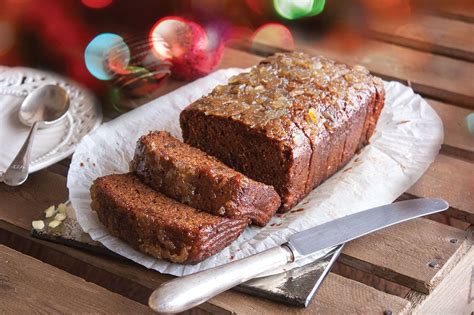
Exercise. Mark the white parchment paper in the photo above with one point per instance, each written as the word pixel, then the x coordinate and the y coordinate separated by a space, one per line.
pixel 407 139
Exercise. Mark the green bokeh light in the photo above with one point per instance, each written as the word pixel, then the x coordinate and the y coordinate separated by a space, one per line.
pixel 318 7
pixel 295 9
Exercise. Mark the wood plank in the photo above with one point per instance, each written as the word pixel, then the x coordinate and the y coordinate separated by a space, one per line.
pixel 439 35
pixel 416 254
pixel 337 294
pixel 455 295
pixel 30 286
pixel 460 9
pixel 453 180
pixel 457 139
pixel 370 279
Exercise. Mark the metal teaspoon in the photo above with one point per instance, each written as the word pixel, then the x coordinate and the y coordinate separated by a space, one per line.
pixel 44 106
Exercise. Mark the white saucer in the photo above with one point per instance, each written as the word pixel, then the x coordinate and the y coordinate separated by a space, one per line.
pixel 55 142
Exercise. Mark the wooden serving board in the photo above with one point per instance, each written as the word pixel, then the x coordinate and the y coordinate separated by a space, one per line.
pixel 423 266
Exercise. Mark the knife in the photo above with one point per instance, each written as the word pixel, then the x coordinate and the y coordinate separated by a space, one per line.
pixel 183 293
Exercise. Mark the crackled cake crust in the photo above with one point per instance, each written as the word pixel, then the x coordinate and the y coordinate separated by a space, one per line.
pixel 158 225
pixel 193 177
pixel 291 122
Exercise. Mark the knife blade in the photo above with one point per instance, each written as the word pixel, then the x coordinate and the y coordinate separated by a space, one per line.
pixel 361 223
pixel 183 293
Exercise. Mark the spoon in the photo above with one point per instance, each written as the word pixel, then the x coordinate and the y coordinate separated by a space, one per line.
pixel 44 106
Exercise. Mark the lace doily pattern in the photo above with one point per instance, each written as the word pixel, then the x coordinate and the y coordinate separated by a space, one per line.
pixel 83 117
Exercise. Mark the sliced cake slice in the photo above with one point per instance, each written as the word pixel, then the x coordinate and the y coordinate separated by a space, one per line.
pixel 158 225
pixel 193 177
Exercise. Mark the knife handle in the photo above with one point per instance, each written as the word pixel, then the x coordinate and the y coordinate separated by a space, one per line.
pixel 183 293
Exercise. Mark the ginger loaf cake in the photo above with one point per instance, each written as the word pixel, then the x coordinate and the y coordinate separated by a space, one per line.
pixel 158 225
pixel 191 176
pixel 291 122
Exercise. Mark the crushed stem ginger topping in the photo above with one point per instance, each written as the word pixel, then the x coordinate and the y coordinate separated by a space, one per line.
pixel 312 115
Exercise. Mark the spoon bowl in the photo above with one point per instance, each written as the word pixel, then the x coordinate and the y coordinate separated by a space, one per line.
pixel 46 105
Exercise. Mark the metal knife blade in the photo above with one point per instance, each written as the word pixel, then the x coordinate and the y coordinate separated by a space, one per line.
pixel 359 224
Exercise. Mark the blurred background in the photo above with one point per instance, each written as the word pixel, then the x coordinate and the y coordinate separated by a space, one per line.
pixel 127 51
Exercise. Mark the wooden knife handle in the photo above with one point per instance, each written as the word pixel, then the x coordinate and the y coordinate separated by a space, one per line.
pixel 183 293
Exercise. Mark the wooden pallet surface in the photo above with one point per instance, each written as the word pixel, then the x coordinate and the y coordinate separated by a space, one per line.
pixel 425 260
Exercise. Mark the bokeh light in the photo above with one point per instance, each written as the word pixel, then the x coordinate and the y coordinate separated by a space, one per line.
pixel 97 4
pixel 187 46
pixel 7 37
pixel 182 37
pixel 273 34
pixel 292 10
pixel 470 123
pixel 105 54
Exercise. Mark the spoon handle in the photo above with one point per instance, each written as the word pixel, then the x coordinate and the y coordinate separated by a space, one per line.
pixel 17 173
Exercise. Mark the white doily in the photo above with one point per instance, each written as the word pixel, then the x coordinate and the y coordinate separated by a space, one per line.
pixel 53 143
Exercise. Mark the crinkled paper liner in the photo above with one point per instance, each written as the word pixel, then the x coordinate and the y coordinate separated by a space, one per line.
pixel 407 139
